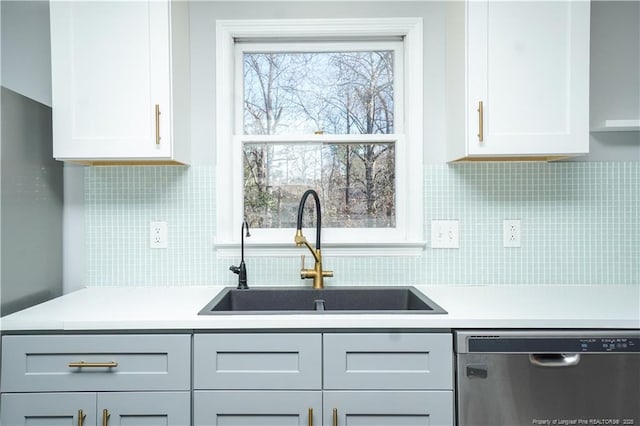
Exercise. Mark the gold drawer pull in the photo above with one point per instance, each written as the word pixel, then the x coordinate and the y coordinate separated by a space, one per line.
pixel 310 416
pixel 105 417
pixel 82 364
pixel 81 417
pixel 335 417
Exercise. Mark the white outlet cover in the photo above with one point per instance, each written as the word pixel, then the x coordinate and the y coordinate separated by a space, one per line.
pixel 445 234
pixel 158 235
pixel 511 232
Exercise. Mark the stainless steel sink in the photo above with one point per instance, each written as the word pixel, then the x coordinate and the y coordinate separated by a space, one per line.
pixel 342 300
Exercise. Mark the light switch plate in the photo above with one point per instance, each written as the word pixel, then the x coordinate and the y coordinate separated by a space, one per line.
pixel 445 234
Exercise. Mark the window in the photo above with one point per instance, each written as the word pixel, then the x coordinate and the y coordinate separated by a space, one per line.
pixel 306 89
pixel 321 104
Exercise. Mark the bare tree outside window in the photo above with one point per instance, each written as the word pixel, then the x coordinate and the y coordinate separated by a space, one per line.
pixel 335 93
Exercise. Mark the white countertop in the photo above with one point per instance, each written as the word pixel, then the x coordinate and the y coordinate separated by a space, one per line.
pixel 176 308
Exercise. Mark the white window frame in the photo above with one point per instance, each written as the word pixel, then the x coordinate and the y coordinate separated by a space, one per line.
pixel 408 235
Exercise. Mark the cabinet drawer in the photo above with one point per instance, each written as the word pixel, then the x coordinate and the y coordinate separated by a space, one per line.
pixel 257 361
pixel 388 361
pixel 95 363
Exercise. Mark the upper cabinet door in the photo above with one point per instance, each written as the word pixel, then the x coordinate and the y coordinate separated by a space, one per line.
pixel 527 79
pixel 112 80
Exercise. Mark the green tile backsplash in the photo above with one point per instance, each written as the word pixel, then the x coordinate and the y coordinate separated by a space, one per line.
pixel 580 225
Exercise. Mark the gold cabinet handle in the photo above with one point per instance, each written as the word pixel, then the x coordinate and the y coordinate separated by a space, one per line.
pixel 105 417
pixel 310 416
pixel 81 417
pixel 335 417
pixel 82 364
pixel 157 124
pixel 480 122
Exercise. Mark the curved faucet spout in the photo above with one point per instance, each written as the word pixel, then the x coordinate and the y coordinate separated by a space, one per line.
pixel 303 200
pixel 317 274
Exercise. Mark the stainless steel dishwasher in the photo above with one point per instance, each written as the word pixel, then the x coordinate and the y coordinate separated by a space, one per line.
pixel 512 378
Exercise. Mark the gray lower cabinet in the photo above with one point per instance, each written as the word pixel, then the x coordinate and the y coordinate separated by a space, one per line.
pixel 145 408
pixel 233 379
pixel 341 408
pixel 257 408
pixel 256 379
pixel 84 409
pixel 257 361
pixel 330 379
pixel 388 379
pixel 400 361
pixel 82 380
pixel 388 408
pixel 95 362
pixel 50 409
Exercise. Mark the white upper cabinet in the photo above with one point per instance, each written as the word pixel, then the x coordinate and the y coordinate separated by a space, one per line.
pixel 120 81
pixel 517 79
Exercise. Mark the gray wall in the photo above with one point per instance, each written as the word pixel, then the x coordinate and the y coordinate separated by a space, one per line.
pixel 31 199
pixel 31 205
pixel 615 54
pixel 26 51
pixel 615 77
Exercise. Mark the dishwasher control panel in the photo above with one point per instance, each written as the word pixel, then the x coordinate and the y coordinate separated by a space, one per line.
pixel 600 344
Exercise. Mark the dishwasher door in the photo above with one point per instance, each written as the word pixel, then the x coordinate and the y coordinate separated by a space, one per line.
pixel 537 378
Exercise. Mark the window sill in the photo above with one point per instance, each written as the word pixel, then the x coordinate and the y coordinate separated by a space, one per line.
pixel 401 248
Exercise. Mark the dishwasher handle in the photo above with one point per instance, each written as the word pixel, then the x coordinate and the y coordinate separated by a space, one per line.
pixel 554 360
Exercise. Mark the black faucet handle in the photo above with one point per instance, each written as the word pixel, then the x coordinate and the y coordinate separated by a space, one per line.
pixel 241 271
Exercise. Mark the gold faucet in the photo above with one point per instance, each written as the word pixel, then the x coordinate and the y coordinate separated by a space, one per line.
pixel 317 274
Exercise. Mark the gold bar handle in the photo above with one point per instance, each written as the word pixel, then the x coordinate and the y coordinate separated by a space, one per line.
pixel 335 417
pixel 310 416
pixel 82 364
pixel 480 122
pixel 81 417
pixel 105 417
pixel 157 124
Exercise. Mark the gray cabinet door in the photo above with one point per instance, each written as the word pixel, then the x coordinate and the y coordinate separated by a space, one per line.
pixel 257 361
pixel 258 408
pixel 382 361
pixel 145 408
pixel 48 409
pixel 388 408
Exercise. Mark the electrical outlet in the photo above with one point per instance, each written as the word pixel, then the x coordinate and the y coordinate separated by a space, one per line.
pixel 158 235
pixel 445 234
pixel 511 232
